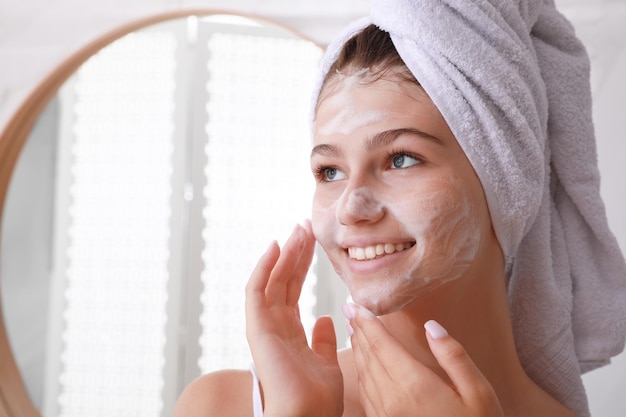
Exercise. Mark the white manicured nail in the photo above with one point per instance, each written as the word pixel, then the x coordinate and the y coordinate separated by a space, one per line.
pixel 435 330
pixel 349 328
pixel 349 311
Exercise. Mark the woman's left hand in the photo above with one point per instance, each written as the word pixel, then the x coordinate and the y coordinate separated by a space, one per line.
pixel 394 384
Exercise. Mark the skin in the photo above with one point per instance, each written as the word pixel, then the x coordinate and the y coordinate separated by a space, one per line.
pixel 396 367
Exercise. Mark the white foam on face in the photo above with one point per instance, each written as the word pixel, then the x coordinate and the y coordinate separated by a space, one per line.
pixel 348 119
pixel 323 224
pixel 439 216
pixel 362 204
pixel 359 203
pixel 347 116
pixel 445 228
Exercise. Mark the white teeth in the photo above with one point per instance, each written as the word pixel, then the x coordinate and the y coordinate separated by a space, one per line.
pixel 372 252
pixel 357 253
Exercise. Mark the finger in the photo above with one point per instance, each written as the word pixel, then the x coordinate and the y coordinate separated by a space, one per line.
pixel 255 288
pixel 324 340
pixel 373 348
pixel 370 377
pixel 379 345
pixel 452 357
pixel 301 269
pixel 366 344
pixel 369 374
pixel 366 402
pixel 276 289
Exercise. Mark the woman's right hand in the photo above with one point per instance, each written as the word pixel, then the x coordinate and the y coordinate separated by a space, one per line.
pixel 297 380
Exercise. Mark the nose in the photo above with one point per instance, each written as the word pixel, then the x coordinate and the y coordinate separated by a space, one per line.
pixel 359 205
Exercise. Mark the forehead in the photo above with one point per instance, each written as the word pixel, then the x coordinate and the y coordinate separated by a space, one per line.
pixel 351 77
pixel 354 101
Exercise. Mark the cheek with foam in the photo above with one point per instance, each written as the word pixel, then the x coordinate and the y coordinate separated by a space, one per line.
pixel 440 217
pixel 321 221
pixel 328 233
pixel 443 222
pixel 325 224
pixel 445 225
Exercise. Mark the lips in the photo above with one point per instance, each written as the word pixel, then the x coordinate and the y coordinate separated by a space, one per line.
pixel 377 251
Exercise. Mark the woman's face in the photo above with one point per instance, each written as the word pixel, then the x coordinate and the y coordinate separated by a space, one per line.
pixel 397 206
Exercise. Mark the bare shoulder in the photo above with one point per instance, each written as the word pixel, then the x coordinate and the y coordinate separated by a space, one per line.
pixel 223 393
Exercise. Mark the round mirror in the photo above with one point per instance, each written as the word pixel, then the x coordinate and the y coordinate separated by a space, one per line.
pixel 162 160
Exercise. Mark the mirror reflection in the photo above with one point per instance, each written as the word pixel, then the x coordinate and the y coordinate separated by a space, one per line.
pixel 145 193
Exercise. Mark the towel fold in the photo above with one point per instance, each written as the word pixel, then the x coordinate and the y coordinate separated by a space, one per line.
pixel 512 81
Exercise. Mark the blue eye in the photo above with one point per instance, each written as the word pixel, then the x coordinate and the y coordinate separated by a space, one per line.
pixel 402 160
pixel 333 174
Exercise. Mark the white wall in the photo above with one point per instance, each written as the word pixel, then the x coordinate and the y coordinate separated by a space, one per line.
pixel 36 35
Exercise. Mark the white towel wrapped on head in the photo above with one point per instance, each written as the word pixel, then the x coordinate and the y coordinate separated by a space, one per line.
pixel 512 80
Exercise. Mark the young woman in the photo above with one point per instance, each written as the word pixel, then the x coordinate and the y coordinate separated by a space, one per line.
pixel 408 223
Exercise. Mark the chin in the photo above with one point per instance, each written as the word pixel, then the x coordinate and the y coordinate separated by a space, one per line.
pixel 382 304
pixel 380 310
pixel 381 301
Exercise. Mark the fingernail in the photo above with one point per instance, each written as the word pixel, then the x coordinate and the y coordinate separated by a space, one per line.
pixel 270 246
pixel 435 330
pixel 365 313
pixel 349 328
pixel 349 311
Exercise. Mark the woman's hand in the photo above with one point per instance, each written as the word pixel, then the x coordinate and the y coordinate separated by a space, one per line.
pixel 297 380
pixel 394 384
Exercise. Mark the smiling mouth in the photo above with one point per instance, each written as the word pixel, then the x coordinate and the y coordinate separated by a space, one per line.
pixel 377 251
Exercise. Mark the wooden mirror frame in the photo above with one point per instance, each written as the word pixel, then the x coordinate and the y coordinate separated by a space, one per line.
pixel 14 399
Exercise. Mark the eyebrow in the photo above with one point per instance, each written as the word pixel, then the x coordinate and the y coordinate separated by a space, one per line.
pixel 327 150
pixel 387 137
pixel 379 140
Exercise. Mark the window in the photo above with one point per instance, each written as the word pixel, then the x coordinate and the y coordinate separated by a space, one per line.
pixel 164 206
